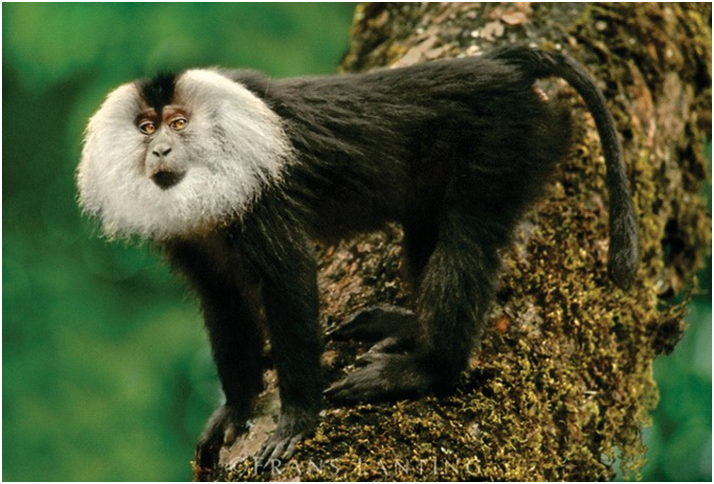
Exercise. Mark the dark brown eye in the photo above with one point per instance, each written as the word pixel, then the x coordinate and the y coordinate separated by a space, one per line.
pixel 147 127
pixel 177 124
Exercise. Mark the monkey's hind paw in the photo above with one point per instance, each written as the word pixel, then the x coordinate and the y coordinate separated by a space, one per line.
pixel 378 323
pixel 382 376
pixel 222 428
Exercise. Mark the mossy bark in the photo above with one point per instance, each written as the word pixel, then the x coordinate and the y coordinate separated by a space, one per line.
pixel 561 386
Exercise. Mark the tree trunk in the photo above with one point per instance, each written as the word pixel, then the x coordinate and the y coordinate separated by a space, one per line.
pixel 562 383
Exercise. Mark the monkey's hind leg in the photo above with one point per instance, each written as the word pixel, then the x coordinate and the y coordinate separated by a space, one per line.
pixel 394 328
pixel 454 292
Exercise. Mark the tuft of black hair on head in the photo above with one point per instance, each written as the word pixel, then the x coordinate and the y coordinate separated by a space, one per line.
pixel 158 91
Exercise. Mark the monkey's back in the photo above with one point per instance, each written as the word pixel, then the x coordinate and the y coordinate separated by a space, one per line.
pixel 390 145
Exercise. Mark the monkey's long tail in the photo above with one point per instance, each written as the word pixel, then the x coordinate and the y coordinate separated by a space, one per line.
pixel 623 253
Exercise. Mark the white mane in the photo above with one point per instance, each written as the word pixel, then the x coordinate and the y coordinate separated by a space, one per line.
pixel 234 147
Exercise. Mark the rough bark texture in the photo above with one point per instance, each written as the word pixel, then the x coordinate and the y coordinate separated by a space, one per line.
pixel 562 384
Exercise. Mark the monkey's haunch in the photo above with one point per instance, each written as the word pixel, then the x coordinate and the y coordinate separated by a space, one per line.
pixel 624 252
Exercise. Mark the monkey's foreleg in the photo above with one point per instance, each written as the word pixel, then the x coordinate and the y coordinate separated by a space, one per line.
pixel 291 307
pixel 230 315
pixel 236 343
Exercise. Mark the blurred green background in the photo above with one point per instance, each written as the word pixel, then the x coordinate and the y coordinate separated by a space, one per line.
pixel 106 370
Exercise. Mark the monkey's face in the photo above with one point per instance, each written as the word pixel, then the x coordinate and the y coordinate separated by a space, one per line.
pixel 163 168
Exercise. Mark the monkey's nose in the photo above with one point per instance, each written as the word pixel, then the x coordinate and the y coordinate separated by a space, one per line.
pixel 161 150
pixel 165 179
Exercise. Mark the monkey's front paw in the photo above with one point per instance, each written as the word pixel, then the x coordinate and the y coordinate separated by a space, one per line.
pixel 222 428
pixel 377 323
pixel 293 426
pixel 382 376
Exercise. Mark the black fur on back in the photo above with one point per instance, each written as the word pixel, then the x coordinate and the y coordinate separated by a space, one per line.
pixel 386 145
pixel 379 145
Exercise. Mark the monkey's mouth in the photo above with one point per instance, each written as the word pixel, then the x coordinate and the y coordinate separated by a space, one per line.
pixel 165 179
